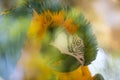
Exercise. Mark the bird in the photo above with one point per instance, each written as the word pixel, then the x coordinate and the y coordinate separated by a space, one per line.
pixel 40 60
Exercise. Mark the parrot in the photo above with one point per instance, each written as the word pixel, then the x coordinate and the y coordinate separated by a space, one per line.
pixel 51 52
pixel 37 51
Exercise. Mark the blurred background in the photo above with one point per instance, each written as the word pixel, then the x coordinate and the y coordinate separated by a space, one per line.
pixel 104 16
